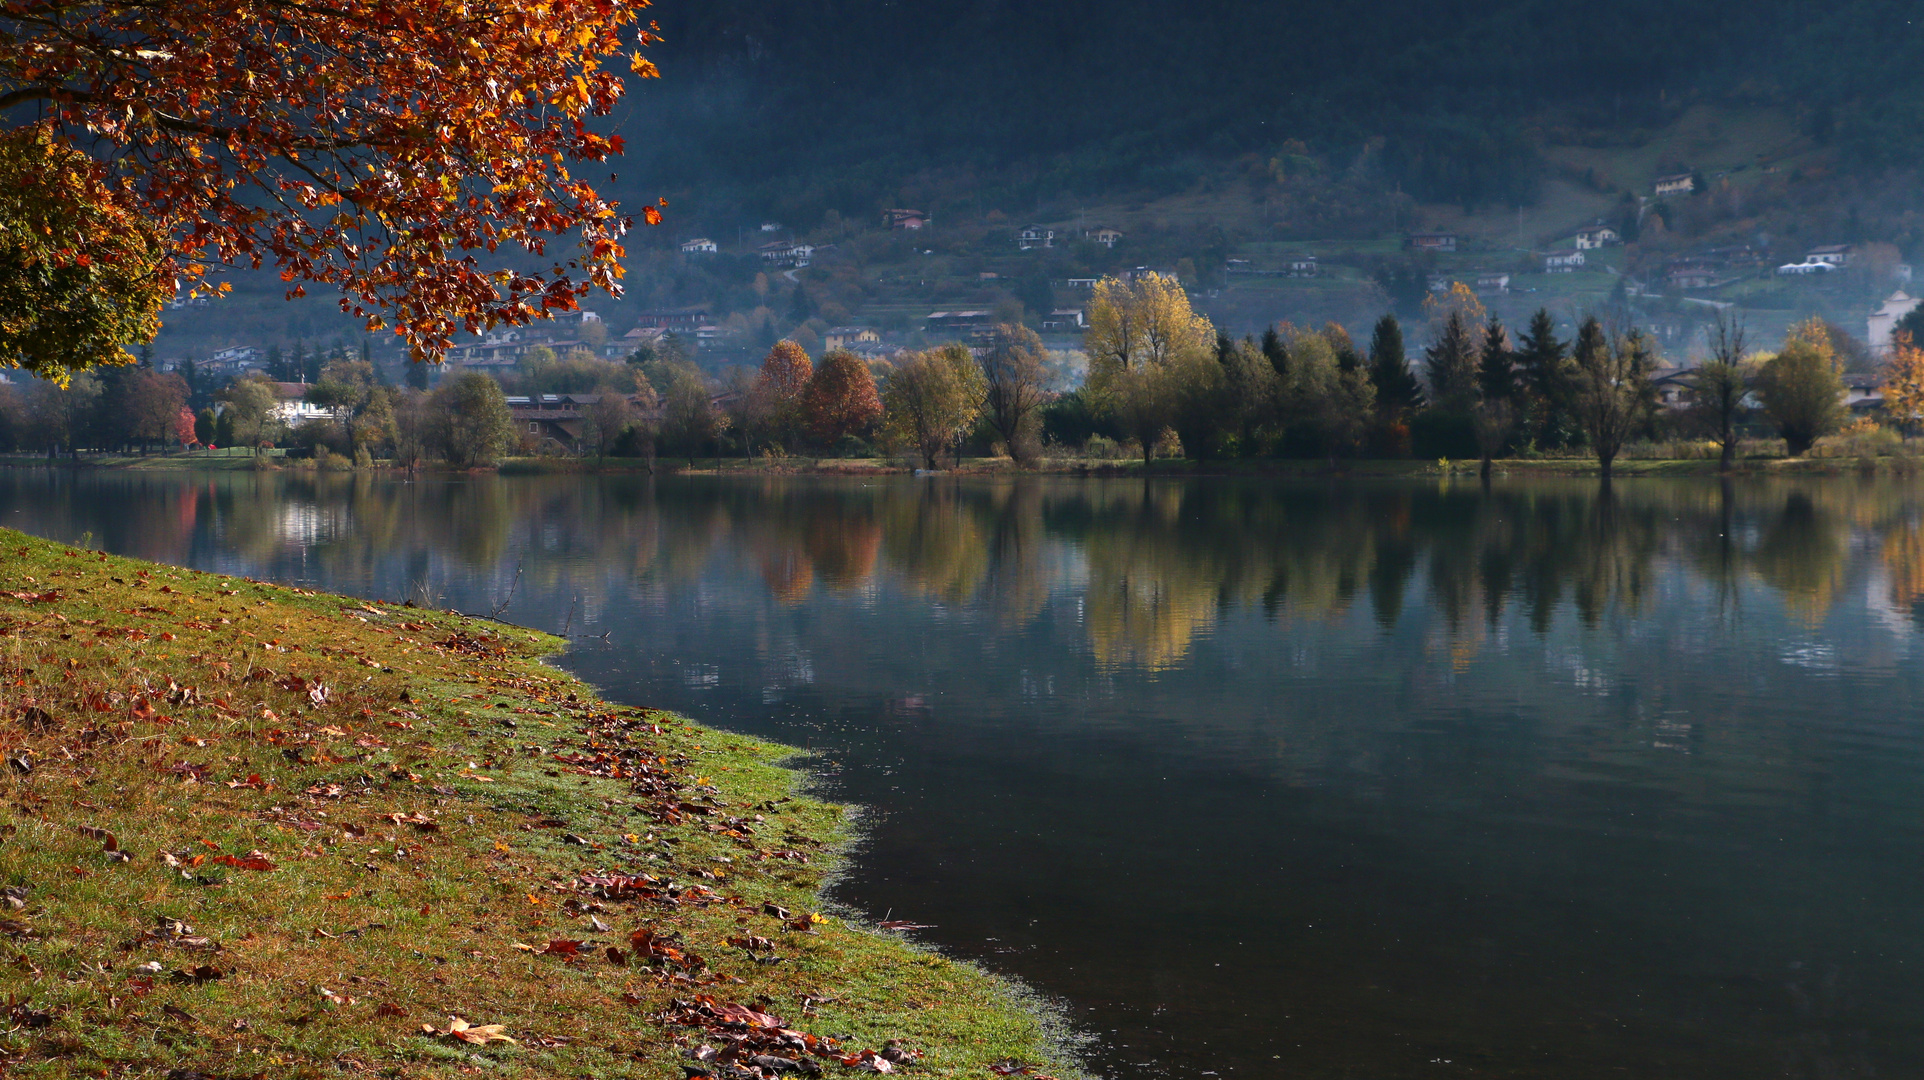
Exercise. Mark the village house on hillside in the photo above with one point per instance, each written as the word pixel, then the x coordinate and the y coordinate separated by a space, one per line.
pixel 701 245
pixel 1692 274
pixel 1837 255
pixel 904 219
pixel 1596 236
pixel 1065 319
pixel 680 319
pixel 626 345
pixel 1884 320
pixel 848 337
pixel 787 253
pixel 1031 237
pixel 1674 184
pixel 232 361
pixel 293 408
pixel 1563 262
pixel 1431 241
pixel 1303 266
pixel 1105 236
pixel 1493 282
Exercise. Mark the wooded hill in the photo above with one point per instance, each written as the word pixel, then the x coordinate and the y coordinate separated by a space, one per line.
pixel 788 109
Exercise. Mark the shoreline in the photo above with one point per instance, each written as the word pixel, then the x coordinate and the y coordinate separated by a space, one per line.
pixel 1625 468
pixel 254 829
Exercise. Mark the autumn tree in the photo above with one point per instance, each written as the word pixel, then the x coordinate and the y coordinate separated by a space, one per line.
pixel 141 405
pixel 385 148
pixel 689 421
pixel 248 411
pixel 778 391
pixel 1147 348
pixel 472 418
pixel 81 273
pixel 1610 384
pixel 1802 387
pixel 840 398
pixel 1718 386
pixel 1904 381
pixel 1012 373
pixel 931 400
pixel 609 419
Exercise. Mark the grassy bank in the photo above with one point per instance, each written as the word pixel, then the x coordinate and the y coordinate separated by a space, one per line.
pixel 248 830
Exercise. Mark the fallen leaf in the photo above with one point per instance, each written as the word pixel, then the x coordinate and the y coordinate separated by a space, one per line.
pixel 469 1033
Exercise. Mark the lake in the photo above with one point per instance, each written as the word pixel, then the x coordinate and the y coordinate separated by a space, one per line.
pixel 1257 778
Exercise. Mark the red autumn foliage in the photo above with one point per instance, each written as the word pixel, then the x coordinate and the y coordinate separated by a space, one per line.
pixel 387 148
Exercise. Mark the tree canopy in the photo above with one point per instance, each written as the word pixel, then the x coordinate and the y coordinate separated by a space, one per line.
pixel 386 148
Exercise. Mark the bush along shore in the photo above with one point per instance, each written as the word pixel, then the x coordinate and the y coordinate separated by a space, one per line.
pixel 253 831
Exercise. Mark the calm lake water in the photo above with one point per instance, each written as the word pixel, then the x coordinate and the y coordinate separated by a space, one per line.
pixel 1358 780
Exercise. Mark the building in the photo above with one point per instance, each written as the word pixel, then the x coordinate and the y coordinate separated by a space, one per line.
pixel 1107 237
pixel 958 321
pixel 900 218
pixel 1692 274
pixel 1674 184
pixel 1882 321
pixel 700 245
pixel 1031 237
pixel 496 349
pixel 1493 282
pixel 1806 267
pixel 771 226
pixel 787 253
pixel 672 319
pixel 294 408
pixel 1303 266
pixel 1065 319
pixel 1431 241
pixel 1835 255
pixel 1563 262
pixel 848 337
pixel 1863 393
pixel 1084 283
pixel 1596 236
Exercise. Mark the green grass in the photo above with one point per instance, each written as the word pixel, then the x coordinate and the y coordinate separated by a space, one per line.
pixel 432 821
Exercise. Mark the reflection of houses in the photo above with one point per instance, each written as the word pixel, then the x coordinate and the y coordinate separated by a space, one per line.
pixel 1596 236
pixel 1035 236
pixel 1431 241
pixel 701 245
pixel 1885 319
pixel 1064 319
pixel 787 253
pixel 1563 262
pixel 847 337
pixel 1674 184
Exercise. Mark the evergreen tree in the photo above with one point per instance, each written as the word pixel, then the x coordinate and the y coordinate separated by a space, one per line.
pixel 1277 352
pixel 1397 389
pixel 800 307
pixel 1543 368
pixel 1496 370
pixel 275 362
pixel 417 376
pixel 1452 362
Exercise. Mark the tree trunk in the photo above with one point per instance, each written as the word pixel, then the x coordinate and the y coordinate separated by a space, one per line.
pixel 1729 454
pixel 1485 472
pixel 1604 462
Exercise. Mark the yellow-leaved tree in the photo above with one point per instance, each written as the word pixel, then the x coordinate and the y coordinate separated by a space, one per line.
pixel 1904 381
pixel 77 267
pixel 1148 350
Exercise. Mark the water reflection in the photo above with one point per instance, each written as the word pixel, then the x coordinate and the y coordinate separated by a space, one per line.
pixel 1329 780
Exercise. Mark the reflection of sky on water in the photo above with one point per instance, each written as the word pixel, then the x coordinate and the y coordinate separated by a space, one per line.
pixel 1338 781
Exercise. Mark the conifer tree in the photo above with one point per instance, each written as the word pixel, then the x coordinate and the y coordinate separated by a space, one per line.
pixel 1397 389
pixel 1452 362
pixel 1496 369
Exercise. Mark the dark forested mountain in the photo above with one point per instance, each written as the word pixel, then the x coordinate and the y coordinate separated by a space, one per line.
pixel 838 103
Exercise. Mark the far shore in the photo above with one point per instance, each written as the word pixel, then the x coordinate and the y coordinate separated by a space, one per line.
pixel 1818 463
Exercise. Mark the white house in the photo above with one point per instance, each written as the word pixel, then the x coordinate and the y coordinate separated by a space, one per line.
pixel 294 408
pixel 1597 236
pixel 771 226
pixel 1838 255
pixel 785 253
pixel 1065 319
pixel 1493 283
pixel 1302 266
pixel 1107 237
pixel 1563 262
pixel 1675 184
pixel 1035 236
pixel 1084 283
pixel 847 337
pixel 1806 267
pixel 700 245
pixel 1882 321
